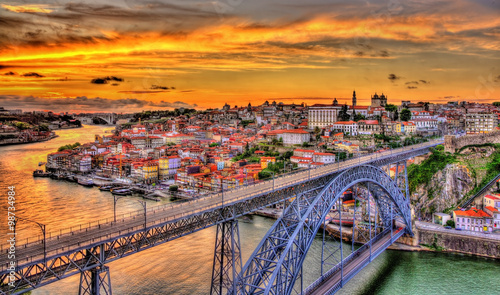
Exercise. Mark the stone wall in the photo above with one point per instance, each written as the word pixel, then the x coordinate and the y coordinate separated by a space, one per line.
pixel 461 243
pixel 451 143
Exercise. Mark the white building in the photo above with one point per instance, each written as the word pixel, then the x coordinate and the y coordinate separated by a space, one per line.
pixel 295 136
pixel 325 158
pixel 473 220
pixel 346 127
pixel 322 115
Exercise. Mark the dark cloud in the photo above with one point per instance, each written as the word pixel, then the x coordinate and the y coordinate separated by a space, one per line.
pixel 99 81
pixel 412 87
pixel 115 84
pixel 384 53
pixel 9 73
pixel 497 79
pixel 451 96
pixel 106 79
pixel 87 103
pixel 187 91
pixel 32 74
pixel 424 82
pixel 412 82
pixel 159 87
pixel 393 77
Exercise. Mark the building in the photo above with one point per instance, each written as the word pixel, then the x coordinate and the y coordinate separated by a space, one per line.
pixel 295 136
pixel 379 101
pixel 325 158
pixel 480 122
pixel 473 220
pixel 322 115
pixel 368 127
pixel 264 161
pixel 347 127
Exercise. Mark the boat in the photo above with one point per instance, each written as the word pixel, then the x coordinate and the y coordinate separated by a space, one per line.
pixel 344 222
pixel 121 192
pixel 106 188
pixel 86 182
pixel 40 173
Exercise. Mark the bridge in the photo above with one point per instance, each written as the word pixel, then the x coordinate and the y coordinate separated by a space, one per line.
pixel 379 218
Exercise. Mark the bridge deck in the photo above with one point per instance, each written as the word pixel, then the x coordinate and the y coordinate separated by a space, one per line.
pixel 337 277
pixel 163 223
pixel 57 243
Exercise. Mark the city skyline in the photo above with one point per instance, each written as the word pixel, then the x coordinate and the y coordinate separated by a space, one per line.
pixel 129 56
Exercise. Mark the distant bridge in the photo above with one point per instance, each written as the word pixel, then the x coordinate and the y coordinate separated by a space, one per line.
pixel 274 267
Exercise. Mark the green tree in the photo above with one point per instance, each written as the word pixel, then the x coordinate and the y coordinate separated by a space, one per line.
pixel 173 188
pixel 264 175
pixel 396 115
pixel 358 117
pixel 450 222
pixel 496 103
pixel 405 115
pixel 391 108
pixel 344 116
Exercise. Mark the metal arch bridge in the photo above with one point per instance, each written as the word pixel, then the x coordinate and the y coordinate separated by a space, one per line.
pixel 276 263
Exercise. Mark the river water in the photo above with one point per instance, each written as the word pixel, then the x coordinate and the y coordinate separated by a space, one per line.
pixel 184 266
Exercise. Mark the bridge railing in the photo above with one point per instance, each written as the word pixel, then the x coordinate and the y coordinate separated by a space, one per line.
pixel 311 288
pixel 266 186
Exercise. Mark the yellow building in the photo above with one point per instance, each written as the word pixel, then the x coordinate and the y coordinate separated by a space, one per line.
pixel 163 171
pixel 264 161
pixel 150 172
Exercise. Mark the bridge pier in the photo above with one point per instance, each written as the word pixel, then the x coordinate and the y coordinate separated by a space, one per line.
pixel 227 258
pixel 96 281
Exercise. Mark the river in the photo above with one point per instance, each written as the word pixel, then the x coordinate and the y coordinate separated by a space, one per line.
pixel 184 266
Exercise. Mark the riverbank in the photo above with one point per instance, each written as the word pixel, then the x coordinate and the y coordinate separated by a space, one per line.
pixel 428 240
pixel 15 141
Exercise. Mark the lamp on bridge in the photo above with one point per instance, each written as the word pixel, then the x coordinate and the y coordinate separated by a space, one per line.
pixel 116 198
pixel 42 227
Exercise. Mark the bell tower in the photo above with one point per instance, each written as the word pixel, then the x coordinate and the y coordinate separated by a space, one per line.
pixel 354 98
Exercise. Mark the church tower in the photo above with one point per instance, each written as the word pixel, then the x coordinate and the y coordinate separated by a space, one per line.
pixel 354 98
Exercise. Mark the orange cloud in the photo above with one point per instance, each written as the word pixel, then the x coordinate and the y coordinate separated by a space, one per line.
pixel 27 8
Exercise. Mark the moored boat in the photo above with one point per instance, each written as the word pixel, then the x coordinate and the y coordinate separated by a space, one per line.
pixel 121 192
pixel 40 173
pixel 86 182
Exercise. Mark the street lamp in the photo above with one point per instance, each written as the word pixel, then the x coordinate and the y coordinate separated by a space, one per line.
pixel 42 227
pixel 143 203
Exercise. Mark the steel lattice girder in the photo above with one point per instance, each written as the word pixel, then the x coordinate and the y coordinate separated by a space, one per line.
pixel 274 265
pixel 227 257
pixel 37 273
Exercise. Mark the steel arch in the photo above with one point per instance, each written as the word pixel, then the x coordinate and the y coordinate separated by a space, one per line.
pixel 273 267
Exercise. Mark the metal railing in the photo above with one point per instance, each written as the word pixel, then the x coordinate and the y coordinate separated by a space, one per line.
pixel 231 197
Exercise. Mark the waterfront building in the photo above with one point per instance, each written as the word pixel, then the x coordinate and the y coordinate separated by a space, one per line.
pixel 473 220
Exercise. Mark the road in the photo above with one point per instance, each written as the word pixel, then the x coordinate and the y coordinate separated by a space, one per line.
pixel 438 228
pixel 78 237
pixel 352 266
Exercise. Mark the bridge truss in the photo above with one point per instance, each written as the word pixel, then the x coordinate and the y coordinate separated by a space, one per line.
pixel 285 245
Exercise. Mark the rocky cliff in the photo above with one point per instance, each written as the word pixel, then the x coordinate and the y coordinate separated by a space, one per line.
pixel 445 190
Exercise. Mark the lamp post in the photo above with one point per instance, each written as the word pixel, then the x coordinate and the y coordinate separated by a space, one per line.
pixel 143 203
pixel 42 227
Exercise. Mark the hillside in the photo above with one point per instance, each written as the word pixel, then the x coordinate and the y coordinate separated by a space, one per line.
pixel 443 180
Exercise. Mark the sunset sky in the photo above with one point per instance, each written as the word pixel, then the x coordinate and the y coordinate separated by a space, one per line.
pixel 137 55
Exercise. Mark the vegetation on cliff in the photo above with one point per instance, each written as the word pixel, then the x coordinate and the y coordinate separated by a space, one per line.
pixel 423 173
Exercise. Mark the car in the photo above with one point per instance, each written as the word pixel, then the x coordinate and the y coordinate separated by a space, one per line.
pixel 486 232
pixel 457 228
pixel 447 227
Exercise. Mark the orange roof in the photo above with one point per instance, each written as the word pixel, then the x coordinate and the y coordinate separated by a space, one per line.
pixel 473 212
pixel 492 209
